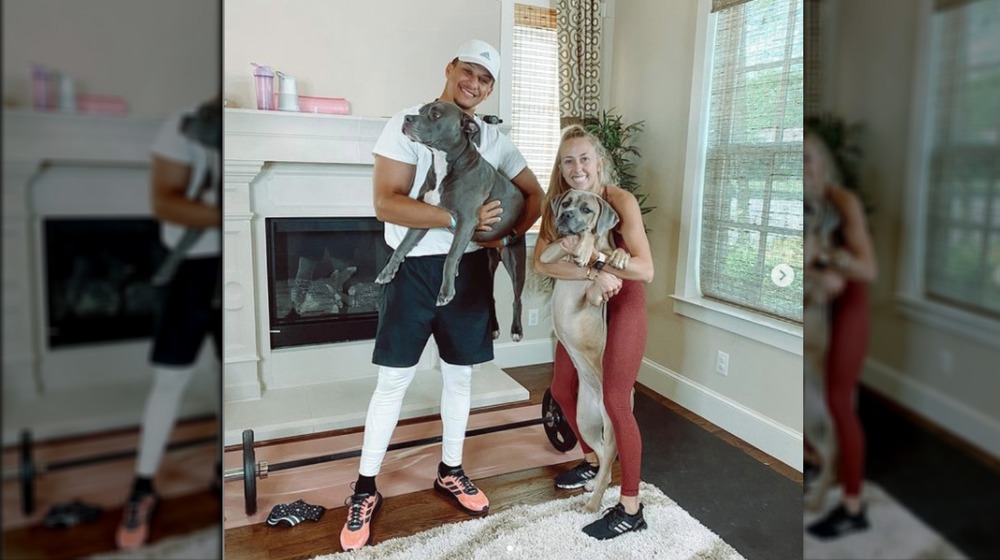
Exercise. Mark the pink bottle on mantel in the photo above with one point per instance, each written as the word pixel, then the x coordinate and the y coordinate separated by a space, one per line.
pixel 264 84
pixel 41 87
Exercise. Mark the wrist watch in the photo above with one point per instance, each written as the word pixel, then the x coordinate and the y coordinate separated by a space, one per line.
pixel 510 239
pixel 599 263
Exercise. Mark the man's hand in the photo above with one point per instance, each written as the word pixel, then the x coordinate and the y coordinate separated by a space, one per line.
pixel 489 214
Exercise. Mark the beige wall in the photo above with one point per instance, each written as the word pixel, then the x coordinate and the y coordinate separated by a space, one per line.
pixel 652 76
pixel 159 56
pixel 381 56
pixel 338 49
pixel 876 46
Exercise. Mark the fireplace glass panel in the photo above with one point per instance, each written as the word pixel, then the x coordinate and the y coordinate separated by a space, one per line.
pixel 98 278
pixel 321 279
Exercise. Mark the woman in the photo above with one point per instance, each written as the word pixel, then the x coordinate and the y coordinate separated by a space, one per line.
pixel 583 164
pixel 854 261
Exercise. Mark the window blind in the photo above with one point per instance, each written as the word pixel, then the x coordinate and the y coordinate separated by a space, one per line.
pixel 535 88
pixel 962 258
pixel 752 197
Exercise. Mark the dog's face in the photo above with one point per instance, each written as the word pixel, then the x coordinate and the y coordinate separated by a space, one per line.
pixel 441 126
pixel 582 211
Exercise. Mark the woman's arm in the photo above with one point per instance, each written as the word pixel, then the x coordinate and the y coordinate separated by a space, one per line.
pixel 640 265
pixel 855 260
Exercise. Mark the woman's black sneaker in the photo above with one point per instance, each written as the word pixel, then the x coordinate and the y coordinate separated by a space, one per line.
pixel 615 522
pixel 576 477
pixel 838 523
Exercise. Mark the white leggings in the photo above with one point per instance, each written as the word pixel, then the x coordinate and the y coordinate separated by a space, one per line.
pixel 383 413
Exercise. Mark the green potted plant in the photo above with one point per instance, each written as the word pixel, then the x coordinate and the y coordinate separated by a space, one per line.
pixel 617 137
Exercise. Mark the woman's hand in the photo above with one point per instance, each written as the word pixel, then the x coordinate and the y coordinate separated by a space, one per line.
pixel 605 287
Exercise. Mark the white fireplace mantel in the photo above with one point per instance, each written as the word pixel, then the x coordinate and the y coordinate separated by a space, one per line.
pixel 303 165
pixel 61 164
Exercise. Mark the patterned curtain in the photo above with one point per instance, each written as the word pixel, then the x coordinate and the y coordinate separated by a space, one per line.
pixel 578 25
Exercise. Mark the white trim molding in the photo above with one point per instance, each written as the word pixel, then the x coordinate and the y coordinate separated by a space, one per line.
pixel 771 437
pixel 943 410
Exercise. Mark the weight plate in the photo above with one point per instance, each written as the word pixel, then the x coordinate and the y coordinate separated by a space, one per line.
pixel 27 472
pixel 560 435
pixel 249 473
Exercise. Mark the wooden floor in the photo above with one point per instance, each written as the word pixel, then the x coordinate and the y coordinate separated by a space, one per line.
pixel 184 482
pixel 411 513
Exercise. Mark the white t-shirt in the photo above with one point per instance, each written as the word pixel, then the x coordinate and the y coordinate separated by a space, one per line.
pixel 171 144
pixel 494 146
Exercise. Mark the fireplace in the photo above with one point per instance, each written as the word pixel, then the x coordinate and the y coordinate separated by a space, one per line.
pixel 98 279
pixel 321 279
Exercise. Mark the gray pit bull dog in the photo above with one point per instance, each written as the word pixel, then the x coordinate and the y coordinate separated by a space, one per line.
pixel 470 181
pixel 579 320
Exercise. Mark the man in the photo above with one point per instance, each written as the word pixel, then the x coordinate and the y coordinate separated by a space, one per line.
pixel 186 183
pixel 408 314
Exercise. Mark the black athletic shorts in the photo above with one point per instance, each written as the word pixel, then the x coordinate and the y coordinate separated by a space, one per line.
pixel 185 315
pixel 409 315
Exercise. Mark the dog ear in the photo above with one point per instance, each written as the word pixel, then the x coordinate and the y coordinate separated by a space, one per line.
pixel 471 129
pixel 556 202
pixel 608 218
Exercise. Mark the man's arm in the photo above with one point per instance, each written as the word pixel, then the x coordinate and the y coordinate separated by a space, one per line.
pixel 392 181
pixel 170 203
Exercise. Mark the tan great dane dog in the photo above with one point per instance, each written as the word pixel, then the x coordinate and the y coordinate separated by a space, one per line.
pixel 578 317
pixel 821 220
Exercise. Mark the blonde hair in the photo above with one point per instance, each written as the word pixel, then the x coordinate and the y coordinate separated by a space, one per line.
pixel 558 185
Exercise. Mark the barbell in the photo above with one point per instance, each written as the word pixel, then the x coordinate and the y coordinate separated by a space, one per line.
pixel 28 469
pixel 557 430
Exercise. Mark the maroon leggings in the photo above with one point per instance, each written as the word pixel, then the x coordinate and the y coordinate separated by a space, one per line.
pixel 622 357
pixel 844 360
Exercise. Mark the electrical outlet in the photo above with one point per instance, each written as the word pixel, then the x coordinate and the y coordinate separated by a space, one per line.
pixel 722 363
pixel 532 317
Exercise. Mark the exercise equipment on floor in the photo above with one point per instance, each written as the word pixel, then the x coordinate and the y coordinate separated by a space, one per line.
pixel 557 430
pixel 28 469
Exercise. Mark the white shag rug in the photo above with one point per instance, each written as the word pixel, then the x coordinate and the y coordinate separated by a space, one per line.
pixel 205 544
pixel 553 531
pixel 894 533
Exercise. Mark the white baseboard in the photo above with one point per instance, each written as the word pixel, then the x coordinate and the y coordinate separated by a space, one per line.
pixel 777 440
pixel 944 410
pixel 524 353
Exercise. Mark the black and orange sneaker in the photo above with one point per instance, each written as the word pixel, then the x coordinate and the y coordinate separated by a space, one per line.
pixel 459 488
pixel 133 531
pixel 357 532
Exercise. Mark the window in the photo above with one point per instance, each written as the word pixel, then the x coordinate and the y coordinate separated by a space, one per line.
pixel 740 254
pixel 962 261
pixel 535 88
pixel 752 199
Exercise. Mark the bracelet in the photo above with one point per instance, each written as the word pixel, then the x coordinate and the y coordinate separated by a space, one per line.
pixel 454 222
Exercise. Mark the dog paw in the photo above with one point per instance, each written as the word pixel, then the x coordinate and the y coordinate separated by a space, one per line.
pixel 516 336
pixel 444 299
pixel 619 259
pixel 496 334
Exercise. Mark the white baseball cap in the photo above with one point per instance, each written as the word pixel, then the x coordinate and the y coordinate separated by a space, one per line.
pixel 483 53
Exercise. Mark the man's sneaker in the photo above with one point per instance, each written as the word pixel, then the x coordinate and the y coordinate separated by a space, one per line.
pixel 458 487
pixel 576 477
pixel 133 532
pixel 615 522
pixel 357 532
pixel 838 523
